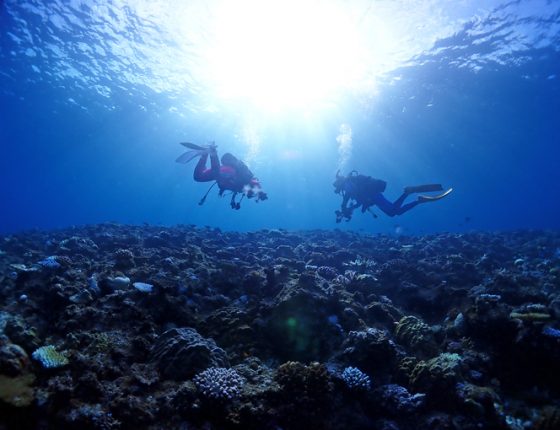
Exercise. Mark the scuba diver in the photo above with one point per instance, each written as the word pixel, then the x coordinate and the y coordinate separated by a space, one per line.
pixel 230 175
pixel 360 190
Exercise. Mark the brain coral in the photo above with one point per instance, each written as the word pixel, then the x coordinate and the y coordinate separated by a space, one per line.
pixel 180 353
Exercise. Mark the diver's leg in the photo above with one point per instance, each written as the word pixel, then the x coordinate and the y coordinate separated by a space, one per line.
pixel 398 203
pixel 395 208
pixel 214 163
pixel 201 173
pixel 407 207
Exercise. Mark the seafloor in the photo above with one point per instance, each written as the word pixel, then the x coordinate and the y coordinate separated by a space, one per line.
pixel 195 328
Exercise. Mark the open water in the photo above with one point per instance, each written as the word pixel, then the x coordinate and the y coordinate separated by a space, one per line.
pixel 95 97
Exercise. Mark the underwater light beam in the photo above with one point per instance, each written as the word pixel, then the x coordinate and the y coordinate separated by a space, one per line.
pixel 277 55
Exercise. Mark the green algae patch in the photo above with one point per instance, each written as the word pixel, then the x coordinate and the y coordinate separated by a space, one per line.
pixel 530 316
pixel 17 391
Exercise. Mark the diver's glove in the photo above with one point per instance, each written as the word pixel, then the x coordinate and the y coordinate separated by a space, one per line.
pixel 212 147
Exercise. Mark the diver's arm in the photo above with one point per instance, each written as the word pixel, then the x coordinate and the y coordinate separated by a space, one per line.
pixel 348 209
pixel 345 199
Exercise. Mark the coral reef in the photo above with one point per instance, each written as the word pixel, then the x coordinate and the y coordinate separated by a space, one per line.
pixel 196 328
pixel 219 383
pixel 438 374
pixel 49 357
pixel 305 396
pixel 182 352
pixel 416 335
pixel 396 399
pixel 355 379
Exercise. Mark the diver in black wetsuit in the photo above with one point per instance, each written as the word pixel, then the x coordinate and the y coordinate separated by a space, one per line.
pixel 360 190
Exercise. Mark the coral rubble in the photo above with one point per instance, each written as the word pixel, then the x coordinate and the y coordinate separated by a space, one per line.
pixel 195 328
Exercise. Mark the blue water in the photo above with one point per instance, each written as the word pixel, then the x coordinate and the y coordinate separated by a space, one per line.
pixel 95 98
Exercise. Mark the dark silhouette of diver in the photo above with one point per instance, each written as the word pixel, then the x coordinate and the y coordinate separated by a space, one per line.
pixel 360 190
pixel 230 175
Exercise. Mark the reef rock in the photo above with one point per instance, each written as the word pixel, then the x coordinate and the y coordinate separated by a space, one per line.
pixel 417 335
pixel 371 350
pixel 181 353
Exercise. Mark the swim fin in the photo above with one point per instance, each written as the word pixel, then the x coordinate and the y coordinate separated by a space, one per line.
pixel 189 155
pixel 196 151
pixel 192 145
pixel 423 188
pixel 424 199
